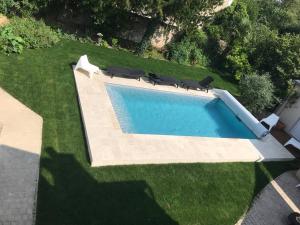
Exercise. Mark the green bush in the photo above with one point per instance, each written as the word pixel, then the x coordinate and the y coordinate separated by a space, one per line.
pixel 237 62
pixel 114 43
pixel 26 33
pixel 257 92
pixel 10 43
pixel 199 37
pixel 35 33
pixel 180 51
pixel 5 5
pixel 17 7
pixel 276 54
pixel 197 57
pixel 187 52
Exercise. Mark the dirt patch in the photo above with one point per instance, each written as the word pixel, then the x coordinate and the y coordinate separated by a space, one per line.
pixel 3 20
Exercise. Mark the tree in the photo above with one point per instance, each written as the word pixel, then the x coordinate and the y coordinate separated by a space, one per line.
pixel 237 61
pixel 186 15
pixel 257 92
pixel 292 9
pixel 227 33
pixel 253 37
pixel 271 13
pixel 283 15
pixel 234 21
pixel 278 55
pixel 17 7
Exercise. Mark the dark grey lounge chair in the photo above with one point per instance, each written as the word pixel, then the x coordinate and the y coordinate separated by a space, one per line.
pixel 164 80
pixel 202 85
pixel 125 72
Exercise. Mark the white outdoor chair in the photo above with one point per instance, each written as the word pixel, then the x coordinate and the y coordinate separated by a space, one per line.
pixel 83 63
pixel 293 142
pixel 271 120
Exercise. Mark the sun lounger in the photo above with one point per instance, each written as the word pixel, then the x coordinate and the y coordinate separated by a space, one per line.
pixel 83 63
pixel 293 142
pixel 164 80
pixel 125 72
pixel 201 85
pixel 271 120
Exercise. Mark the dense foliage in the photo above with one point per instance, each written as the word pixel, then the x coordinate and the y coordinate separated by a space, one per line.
pixel 278 55
pixel 9 42
pixel 113 14
pixel 257 92
pixel 187 51
pixel 34 32
pixel 17 7
pixel 259 36
pixel 26 33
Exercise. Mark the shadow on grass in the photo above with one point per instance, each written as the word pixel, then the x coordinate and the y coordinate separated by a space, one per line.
pixel 268 171
pixel 111 203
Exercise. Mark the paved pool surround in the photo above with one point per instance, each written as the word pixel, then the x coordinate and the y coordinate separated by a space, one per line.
pixel 108 145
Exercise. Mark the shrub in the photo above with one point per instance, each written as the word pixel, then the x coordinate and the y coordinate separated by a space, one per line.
pixel 276 54
pixel 199 37
pixel 187 52
pixel 10 43
pixel 5 5
pixel 197 57
pixel 35 33
pixel 153 53
pixel 26 33
pixel 17 7
pixel 257 92
pixel 114 43
pixel 180 51
pixel 237 62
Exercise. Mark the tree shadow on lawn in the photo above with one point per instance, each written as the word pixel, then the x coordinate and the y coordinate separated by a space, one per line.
pixel 268 171
pixel 264 173
pixel 111 203
pixel 78 198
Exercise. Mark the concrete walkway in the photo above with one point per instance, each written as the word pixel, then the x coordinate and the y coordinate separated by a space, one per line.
pixel 275 202
pixel 20 147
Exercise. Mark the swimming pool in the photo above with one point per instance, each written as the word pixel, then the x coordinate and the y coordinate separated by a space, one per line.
pixel 145 111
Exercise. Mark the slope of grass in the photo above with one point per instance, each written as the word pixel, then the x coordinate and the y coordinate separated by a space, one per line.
pixel 71 192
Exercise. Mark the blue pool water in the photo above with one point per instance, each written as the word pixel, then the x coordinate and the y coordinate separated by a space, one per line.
pixel 145 111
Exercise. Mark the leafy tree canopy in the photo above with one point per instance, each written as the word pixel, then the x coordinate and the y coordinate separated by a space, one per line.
pixel 257 92
pixel 258 37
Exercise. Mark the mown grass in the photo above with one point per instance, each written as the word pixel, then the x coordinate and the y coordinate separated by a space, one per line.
pixel 71 192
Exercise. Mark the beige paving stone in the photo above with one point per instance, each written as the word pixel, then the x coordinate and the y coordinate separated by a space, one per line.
pixel 108 145
pixel 20 147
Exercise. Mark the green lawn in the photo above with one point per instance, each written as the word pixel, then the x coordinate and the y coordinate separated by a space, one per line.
pixel 73 193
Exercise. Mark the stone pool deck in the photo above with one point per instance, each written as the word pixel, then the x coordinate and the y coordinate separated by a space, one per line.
pixel 108 145
pixel 20 147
